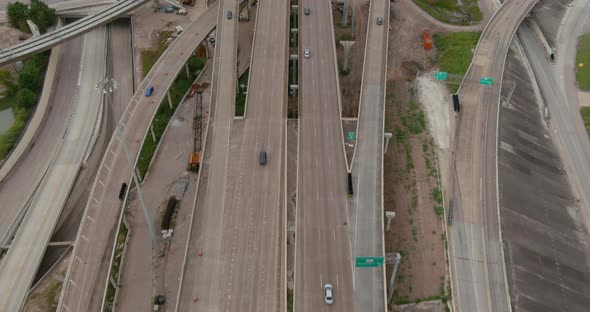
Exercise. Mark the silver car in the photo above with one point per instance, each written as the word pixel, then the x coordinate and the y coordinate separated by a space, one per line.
pixel 306 53
pixel 328 294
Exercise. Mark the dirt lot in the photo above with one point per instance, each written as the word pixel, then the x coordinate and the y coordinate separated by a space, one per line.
pixel 350 84
pixel 410 168
pixel 45 295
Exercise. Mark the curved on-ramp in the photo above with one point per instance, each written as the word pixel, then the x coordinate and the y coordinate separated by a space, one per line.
pixel 477 259
pixel 87 272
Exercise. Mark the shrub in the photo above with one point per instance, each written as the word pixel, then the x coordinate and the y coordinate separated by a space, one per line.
pixel 25 98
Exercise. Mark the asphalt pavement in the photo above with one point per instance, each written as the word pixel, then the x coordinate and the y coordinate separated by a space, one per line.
pixel 368 163
pixel 477 259
pixel 323 251
pixel 86 271
pixel 239 226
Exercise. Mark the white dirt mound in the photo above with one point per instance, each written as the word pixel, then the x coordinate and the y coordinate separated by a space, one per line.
pixel 438 106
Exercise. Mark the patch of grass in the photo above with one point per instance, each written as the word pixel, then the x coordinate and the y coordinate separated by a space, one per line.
pixel 289 300
pixel 456 51
pixel 241 96
pixel 116 266
pixel 437 195
pixel 452 11
pixel 150 57
pixel 165 112
pixel 47 299
pixel 585 111
pixel 415 123
pixel 439 210
pixel 583 57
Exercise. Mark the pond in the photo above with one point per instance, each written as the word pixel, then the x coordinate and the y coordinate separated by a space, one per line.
pixel 6 120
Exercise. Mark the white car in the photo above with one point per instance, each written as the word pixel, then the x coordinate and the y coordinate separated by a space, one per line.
pixel 328 294
pixel 306 53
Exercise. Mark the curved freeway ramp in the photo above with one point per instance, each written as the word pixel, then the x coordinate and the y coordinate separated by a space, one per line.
pixel 86 278
pixel 477 259
pixel 77 28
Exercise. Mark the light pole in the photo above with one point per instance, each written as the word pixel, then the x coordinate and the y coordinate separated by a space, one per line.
pixel 106 87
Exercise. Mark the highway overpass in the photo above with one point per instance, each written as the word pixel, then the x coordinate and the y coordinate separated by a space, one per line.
pixel 77 28
pixel 64 6
pixel 477 259
pixel 85 281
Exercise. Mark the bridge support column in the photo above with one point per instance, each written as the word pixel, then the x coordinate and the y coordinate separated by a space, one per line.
pixel 169 99
pixel 153 133
pixel 346 45
pixel 387 136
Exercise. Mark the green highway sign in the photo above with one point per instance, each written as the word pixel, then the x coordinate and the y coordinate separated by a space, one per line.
pixel 351 135
pixel 369 262
pixel 440 75
pixel 488 81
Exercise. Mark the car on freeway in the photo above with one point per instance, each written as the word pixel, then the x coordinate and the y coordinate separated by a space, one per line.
pixel 328 294
pixel 262 159
pixel 306 53
pixel 307 11
pixel 229 15
pixel 149 91
pixel 379 20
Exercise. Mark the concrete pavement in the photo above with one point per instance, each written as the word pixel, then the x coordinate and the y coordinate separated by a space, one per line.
pixel 367 168
pixel 87 270
pixel 323 252
pixel 239 227
pixel 477 260
pixel 22 260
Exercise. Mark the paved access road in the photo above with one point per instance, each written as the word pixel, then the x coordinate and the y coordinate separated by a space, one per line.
pixel 239 220
pixel 20 264
pixel 87 272
pixel 477 261
pixel 323 252
pixel 368 163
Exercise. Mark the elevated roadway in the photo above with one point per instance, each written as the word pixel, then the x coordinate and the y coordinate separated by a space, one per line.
pixel 323 252
pixel 239 222
pixel 77 28
pixel 368 163
pixel 477 259
pixel 20 264
pixel 86 278
pixel 62 6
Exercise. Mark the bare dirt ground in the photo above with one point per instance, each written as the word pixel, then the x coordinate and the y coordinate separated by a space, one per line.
pixel 45 295
pixel 410 169
pixel 350 84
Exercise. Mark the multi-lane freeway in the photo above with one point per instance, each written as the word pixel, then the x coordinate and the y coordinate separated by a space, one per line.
pixel 85 281
pixel 477 260
pixel 368 163
pixel 239 221
pixel 323 251
pixel 20 264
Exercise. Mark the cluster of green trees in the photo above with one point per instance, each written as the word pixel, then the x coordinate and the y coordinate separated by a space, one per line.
pixel 23 93
pixel 38 12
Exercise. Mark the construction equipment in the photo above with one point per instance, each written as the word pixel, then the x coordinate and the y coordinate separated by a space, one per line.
pixel 194 161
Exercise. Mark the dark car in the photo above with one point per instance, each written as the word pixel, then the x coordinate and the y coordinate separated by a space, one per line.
pixel 149 91
pixel 307 11
pixel 262 158
pixel 229 14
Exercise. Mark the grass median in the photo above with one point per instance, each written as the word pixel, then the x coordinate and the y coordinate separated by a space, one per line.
pixel 165 112
pixel 454 12
pixel 241 96
pixel 456 51
pixel 583 59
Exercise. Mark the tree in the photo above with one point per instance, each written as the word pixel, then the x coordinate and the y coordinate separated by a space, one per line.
pixel 25 98
pixel 29 78
pixel 17 15
pixel 7 80
pixel 42 15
